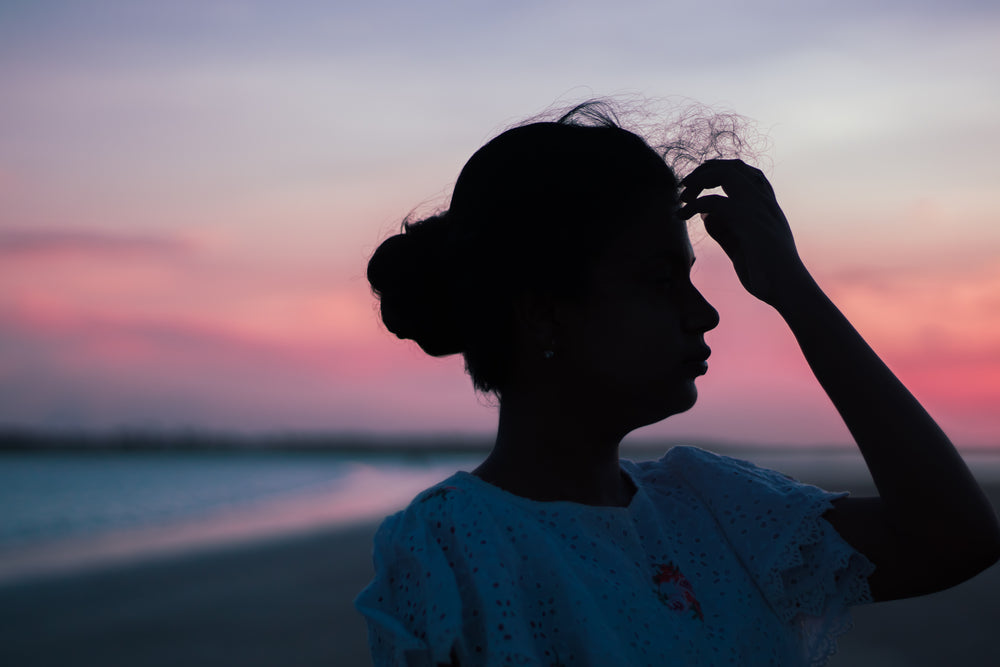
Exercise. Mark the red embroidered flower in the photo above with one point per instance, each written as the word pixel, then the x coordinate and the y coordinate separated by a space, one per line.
pixel 668 573
pixel 675 591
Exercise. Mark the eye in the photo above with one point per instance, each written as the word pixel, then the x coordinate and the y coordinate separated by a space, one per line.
pixel 661 278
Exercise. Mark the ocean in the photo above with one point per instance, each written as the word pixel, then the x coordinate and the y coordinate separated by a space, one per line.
pixel 65 509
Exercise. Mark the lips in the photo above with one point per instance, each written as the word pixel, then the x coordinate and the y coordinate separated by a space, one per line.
pixel 697 364
pixel 703 352
pixel 695 368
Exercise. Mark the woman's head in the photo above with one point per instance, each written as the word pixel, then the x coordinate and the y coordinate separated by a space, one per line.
pixel 532 213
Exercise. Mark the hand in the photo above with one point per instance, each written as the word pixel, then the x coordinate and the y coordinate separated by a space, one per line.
pixel 748 224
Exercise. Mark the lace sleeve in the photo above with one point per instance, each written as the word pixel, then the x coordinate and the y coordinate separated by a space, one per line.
pixel 412 605
pixel 808 574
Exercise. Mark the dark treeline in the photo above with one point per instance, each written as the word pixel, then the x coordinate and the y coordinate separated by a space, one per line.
pixel 24 439
pixel 14 439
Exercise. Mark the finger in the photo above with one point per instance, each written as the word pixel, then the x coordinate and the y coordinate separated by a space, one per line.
pixel 707 205
pixel 735 177
pixel 711 169
pixel 704 176
pixel 716 213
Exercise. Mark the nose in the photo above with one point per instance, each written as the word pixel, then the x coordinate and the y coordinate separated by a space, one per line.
pixel 700 315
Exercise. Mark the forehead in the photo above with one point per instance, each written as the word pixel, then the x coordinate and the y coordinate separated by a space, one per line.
pixel 655 234
pixel 662 240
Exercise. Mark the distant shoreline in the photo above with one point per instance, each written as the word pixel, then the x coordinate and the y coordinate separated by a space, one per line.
pixel 13 439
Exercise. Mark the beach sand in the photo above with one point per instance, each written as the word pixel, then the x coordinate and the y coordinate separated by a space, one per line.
pixel 282 602
pixel 288 602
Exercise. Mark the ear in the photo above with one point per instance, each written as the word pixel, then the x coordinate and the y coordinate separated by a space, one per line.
pixel 536 320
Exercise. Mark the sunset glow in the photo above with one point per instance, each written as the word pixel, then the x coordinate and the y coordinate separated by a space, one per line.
pixel 189 193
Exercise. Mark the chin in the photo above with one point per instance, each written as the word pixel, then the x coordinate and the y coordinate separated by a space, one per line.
pixel 684 399
pixel 686 402
pixel 675 403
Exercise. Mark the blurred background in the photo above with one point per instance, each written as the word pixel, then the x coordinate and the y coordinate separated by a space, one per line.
pixel 201 416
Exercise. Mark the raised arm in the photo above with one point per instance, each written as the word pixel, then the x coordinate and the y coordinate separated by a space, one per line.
pixel 930 527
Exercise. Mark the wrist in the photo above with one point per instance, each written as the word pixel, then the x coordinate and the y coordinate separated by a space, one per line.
pixel 797 292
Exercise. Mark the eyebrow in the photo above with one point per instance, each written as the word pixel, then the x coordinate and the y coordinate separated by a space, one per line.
pixel 667 258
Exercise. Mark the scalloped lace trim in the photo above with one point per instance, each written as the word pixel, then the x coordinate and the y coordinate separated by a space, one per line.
pixel 819 599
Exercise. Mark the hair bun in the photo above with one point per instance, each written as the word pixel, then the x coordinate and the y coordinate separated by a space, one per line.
pixel 412 275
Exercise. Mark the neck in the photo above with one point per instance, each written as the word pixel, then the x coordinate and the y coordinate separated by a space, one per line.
pixel 549 449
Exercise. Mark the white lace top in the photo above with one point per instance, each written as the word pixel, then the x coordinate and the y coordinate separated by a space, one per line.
pixel 714 562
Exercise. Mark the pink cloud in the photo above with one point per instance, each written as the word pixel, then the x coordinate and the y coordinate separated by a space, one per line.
pixel 938 326
pixel 119 342
pixel 21 242
pixel 127 371
pixel 162 279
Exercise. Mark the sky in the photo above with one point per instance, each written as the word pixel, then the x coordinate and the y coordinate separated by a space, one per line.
pixel 189 193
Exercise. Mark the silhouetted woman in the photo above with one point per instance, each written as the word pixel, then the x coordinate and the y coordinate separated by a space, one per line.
pixel 561 271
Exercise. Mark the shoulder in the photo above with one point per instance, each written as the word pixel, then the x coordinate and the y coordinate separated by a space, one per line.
pixel 432 505
pixel 758 505
pixel 436 519
pixel 708 472
pixel 681 459
pixel 685 457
